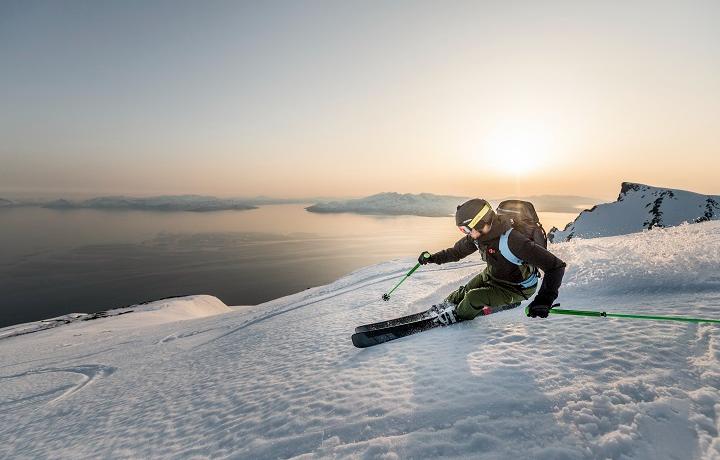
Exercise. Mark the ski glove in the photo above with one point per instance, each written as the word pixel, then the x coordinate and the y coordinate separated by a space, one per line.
pixel 538 309
pixel 425 257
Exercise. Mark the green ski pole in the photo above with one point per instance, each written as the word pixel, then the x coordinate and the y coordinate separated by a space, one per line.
pixel 686 319
pixel 386 297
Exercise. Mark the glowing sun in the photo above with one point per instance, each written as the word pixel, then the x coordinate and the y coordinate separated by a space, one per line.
pixel 516 150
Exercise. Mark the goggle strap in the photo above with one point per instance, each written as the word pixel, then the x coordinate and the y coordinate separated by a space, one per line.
pixel 479 215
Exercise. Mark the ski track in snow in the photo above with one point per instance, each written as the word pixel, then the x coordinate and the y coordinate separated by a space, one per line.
pixel 87 372
pixel 292 385
pixel 361 284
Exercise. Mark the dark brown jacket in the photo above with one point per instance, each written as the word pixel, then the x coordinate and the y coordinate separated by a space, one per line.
pixel 501 268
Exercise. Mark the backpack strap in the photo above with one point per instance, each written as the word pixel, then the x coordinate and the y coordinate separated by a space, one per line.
pixel 505 249
pixel 512 258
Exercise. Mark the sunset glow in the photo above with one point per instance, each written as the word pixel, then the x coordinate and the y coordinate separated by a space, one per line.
pixel 516 150
pixel 238 98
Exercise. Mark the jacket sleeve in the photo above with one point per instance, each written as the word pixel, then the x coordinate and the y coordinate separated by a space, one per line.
pixel 536 255
pixel 463 248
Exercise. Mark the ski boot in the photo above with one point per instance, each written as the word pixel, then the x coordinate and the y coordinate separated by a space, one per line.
pixel 444 313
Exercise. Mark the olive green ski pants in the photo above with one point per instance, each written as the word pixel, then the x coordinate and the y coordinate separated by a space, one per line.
pixel 483 291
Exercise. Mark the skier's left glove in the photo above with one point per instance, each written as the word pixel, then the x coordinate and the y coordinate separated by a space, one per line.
pixel 425 258
pixel 539 308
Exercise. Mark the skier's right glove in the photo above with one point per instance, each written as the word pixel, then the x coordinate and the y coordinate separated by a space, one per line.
pixel 425 257
pixel 539 308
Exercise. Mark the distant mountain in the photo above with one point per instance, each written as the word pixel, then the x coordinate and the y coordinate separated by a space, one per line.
pixel 392 203
pixel 194 203
pixel 197 203
pixel 640 207
pixel 266 200
pixel 59 204
pixel 555 203
pixel 430 205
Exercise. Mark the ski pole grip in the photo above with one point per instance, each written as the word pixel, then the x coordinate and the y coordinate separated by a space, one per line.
pixel 417 265
pixel 425 255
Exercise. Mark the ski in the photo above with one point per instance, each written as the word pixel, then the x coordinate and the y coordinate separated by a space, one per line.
pixel 378 336
pixel 394 322
pixel 369 335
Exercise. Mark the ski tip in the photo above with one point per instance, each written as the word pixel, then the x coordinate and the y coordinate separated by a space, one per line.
pixel 358 339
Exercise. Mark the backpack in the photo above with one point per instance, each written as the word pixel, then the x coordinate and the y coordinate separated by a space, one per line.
pixel 523 218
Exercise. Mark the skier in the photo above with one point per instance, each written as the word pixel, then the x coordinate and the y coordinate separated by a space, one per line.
pixel 511 274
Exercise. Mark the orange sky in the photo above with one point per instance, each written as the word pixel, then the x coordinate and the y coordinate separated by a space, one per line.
pixel 287 100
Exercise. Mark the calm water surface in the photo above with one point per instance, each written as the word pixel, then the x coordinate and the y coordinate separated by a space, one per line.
pixel 54 262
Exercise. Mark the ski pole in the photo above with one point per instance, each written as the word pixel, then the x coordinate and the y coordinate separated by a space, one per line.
pixel 686 319
pixel 386 297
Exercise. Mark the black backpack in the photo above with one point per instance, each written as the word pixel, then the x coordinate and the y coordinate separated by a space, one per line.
pixel 523 217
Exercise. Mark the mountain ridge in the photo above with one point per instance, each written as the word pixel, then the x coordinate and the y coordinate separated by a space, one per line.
pixel 640 207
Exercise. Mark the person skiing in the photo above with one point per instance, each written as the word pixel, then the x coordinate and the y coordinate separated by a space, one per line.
pixel 511 274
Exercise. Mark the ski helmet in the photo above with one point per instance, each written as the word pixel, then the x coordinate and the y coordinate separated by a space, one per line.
pixel 474 214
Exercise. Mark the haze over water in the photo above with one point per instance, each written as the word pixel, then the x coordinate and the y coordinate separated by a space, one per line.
pixel 55 262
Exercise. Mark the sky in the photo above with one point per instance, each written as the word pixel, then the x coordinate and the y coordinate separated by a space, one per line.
pixel 340 98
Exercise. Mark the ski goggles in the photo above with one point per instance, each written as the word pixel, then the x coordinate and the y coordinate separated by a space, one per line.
pixel 483 216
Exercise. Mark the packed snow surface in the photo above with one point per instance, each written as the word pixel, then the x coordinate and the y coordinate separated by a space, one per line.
pixel 282 379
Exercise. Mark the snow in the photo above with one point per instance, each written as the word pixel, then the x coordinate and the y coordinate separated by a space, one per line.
pixel 158 312
pixel 189 377
pixel 640 207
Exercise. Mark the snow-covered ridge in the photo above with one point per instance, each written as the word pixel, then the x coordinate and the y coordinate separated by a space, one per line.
pixel 683 258
pixel 393 203
pixel 148 313
pixel 640 207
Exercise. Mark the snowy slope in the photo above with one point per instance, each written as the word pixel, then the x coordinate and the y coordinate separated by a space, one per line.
pixel 282 380
pixel 422 204
pixel 640 207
